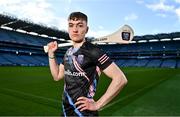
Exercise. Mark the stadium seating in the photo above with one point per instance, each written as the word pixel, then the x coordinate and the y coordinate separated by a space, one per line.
pixel 171 63
pixel 23 49
pixel 15 37
pixel 154 63
pixel 148 54
pixel 178 64
pixel 27 50
pixel 4 61
pixel 141 63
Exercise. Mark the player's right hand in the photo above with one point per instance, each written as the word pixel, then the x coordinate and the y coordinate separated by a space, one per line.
pixel 52 47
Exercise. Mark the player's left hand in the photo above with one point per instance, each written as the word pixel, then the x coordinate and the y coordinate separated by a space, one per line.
pixel 84 103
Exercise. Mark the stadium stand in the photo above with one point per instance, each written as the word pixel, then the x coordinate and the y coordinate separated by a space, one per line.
pixel 24 49
pixel 159 53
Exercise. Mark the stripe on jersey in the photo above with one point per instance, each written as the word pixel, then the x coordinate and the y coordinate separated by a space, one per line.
pixel 103 59
pixel 78 68
pixel 71 103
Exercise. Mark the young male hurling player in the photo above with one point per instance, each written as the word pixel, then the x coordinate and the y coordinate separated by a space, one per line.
pixel 80 71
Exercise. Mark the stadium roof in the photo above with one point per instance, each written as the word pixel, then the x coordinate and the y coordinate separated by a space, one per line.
pixel 159 37
pixel 15 24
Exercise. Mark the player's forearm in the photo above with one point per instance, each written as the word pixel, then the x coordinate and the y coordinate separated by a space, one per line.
pixel 53 66
pixel 114 88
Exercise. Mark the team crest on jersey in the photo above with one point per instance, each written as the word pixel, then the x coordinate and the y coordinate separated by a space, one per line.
pixel 80 59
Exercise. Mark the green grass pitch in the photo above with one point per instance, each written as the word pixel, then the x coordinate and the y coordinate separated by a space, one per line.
pixel 30 91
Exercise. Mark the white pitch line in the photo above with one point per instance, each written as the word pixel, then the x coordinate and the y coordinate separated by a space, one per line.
pixel 130 95
pixel 109 105
pixel 30 95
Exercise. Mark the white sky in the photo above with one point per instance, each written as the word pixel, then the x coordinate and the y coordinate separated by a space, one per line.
pixel 105 16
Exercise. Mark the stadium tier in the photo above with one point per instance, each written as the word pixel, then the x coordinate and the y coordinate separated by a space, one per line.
pixel 25 49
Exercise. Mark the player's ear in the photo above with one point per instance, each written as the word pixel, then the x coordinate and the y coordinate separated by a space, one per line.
pixel 87 29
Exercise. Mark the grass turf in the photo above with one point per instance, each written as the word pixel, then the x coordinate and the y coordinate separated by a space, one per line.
pixel 31 91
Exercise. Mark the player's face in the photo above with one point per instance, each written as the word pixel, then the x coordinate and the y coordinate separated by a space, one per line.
pixel 77 30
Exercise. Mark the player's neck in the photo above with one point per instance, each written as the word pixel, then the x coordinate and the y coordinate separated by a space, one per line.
pixel 78 44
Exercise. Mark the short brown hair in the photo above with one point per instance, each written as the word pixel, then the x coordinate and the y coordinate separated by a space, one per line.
pixel 78 16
